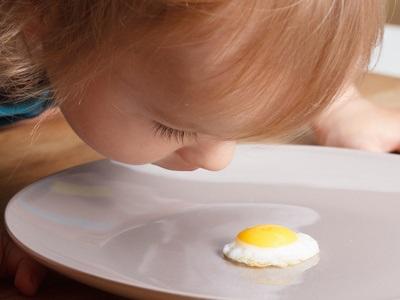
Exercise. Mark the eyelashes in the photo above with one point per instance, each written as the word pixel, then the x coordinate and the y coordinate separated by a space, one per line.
pixel 169 134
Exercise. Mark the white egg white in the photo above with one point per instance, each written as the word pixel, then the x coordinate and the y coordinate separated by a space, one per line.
pixel 300 250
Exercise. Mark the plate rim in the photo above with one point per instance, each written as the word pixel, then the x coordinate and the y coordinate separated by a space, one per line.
pixel 120 287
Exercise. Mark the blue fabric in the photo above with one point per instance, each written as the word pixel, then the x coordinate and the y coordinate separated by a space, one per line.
pixel 13 112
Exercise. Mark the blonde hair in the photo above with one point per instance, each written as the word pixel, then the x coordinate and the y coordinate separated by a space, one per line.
pixel 286 59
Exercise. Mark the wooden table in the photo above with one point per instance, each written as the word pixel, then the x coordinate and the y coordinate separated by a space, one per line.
pixel 31 150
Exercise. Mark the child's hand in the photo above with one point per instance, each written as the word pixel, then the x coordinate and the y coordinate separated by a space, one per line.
pixel 354 122
pixel 27 273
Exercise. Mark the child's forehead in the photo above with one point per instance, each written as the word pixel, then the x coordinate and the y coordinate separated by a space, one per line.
pixel 181 92
pixel 209 104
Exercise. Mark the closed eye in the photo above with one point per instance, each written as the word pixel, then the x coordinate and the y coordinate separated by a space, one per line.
pixel 169 133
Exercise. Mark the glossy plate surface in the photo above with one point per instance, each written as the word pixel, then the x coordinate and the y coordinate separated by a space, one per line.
pixel 150 233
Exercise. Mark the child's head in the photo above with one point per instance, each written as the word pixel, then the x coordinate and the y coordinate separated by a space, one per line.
pixel 127 73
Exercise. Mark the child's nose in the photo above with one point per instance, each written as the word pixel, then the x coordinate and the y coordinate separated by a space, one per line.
pixel 211 154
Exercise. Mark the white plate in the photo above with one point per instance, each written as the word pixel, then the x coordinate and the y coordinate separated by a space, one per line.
pixel 147 232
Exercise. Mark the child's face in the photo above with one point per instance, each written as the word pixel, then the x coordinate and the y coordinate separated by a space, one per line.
pixel 119 110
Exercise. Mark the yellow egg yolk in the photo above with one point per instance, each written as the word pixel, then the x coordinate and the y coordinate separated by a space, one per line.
pixel 266 236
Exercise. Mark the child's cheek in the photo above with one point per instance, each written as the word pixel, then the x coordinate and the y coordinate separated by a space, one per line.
pixel 127 140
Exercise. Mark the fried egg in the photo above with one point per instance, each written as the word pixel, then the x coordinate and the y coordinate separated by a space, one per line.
pixel 270 245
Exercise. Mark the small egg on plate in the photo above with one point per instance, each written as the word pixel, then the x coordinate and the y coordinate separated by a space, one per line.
pixel 271 245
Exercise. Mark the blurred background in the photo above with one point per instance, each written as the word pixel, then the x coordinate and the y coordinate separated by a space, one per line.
pixel 382 84
pixel 394 12
pixel 386 60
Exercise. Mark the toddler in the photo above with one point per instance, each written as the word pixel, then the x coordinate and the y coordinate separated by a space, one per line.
pixel 177 82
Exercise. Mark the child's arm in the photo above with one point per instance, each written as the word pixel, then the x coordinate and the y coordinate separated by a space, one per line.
pixel 354 122
pixel 28 274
